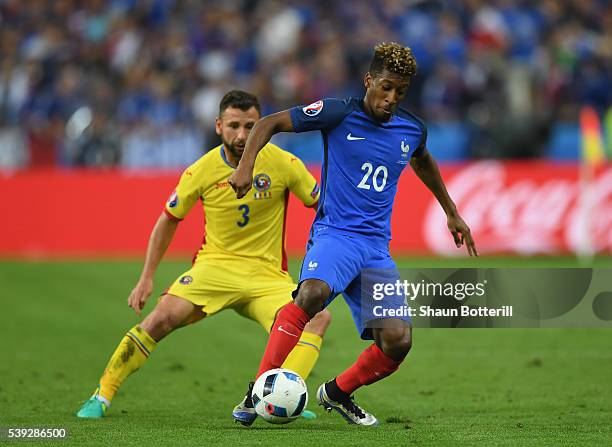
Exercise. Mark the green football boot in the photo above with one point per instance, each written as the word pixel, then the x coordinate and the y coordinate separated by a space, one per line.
pixel 92 409
pixel 309 415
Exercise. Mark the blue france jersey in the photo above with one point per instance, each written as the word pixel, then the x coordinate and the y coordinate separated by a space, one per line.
pixel 362 163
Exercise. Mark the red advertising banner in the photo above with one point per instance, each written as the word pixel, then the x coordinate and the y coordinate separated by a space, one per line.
pixel 523 208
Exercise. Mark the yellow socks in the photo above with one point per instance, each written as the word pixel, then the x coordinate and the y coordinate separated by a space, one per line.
pixel 129 356
pixel 136 345
pixel 305 354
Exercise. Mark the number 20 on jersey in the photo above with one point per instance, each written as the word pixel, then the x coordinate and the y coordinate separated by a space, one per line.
pixel 377 177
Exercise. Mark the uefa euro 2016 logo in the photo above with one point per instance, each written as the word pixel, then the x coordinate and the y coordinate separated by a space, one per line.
pixel 173 200
pixel 313 109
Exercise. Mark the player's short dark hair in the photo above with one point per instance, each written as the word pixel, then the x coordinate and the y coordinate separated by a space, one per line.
pixel 395 58
pixel 239 99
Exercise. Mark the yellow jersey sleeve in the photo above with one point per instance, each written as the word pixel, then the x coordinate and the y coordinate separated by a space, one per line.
pixel 299 180
pixel 186 194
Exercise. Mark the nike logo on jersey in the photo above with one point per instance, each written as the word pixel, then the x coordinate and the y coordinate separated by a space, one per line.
pixel 352 138
pixel 280 328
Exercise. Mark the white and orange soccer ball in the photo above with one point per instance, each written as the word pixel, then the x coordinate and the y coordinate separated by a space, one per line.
pixel 280 396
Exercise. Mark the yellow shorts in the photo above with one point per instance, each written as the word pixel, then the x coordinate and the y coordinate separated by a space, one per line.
pixel 252 288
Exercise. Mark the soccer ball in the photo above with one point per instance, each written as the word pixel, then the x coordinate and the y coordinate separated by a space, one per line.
pixel 280 395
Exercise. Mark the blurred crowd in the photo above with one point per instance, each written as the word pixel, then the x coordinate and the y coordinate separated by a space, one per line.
pixel 137 83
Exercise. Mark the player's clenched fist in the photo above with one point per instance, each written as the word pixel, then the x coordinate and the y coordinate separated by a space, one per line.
pixel 139 295
pixel 241 181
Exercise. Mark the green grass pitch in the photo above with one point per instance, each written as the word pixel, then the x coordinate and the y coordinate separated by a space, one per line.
pixel 62 320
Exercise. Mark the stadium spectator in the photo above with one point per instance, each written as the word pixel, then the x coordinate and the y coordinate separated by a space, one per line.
pixel 150 73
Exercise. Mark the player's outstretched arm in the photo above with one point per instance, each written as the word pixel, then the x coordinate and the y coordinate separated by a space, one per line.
pixel 160 239
pixel 242 178
pixel 426 168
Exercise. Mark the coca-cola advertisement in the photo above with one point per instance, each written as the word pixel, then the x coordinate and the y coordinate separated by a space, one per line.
pixel 526 208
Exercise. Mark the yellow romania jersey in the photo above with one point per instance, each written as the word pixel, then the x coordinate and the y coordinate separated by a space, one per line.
pixel 254 226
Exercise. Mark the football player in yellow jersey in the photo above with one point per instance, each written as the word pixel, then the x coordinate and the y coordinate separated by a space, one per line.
pixel 244 239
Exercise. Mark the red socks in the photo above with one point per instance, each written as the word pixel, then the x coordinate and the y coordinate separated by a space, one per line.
pixel 285 334
pixel 371 366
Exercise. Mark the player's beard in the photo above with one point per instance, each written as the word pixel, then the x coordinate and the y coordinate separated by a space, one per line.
pixel 235 153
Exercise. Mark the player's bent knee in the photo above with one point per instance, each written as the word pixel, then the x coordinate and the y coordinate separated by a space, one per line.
pixel 396 342
pixel 312 295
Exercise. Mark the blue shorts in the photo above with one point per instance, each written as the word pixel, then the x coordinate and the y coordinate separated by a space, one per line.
pixel 353 266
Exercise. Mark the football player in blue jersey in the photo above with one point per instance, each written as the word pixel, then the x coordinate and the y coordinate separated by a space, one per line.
pixel 367 144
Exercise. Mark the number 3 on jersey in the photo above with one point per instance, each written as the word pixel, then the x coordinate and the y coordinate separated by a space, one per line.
pixel 245 215
pixel 378 184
